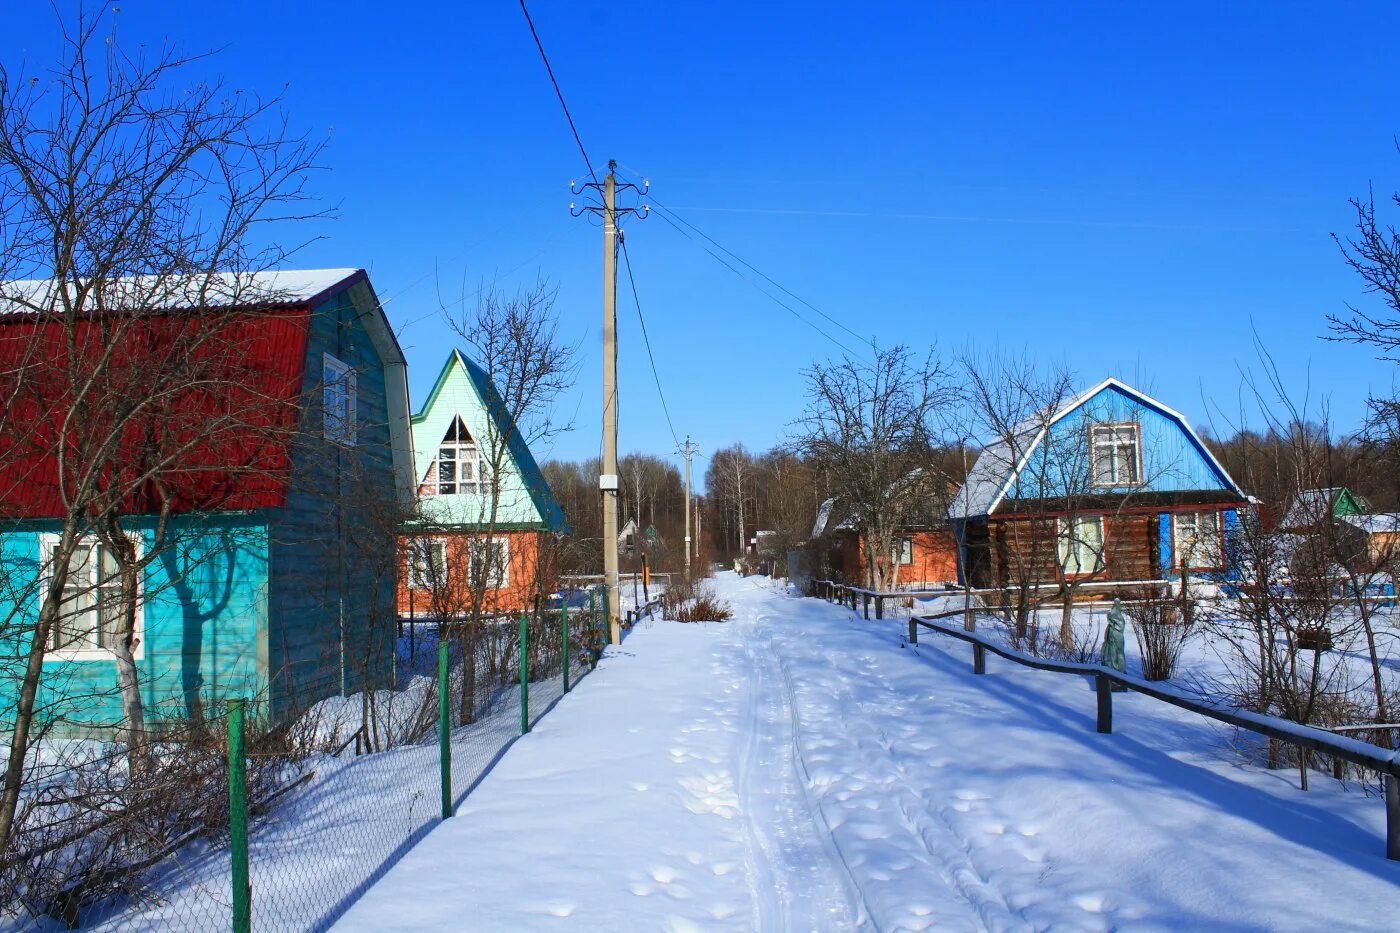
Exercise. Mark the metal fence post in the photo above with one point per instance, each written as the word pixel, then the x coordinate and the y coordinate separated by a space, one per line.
pixel 564 625
pixel 238 817
pixel 1104 687
pixel 524 674
pixel 444 730
pixel 1392 817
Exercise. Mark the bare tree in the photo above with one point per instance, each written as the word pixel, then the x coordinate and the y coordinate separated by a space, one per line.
pixel 871 426
pixel 129 196
pixel 514 339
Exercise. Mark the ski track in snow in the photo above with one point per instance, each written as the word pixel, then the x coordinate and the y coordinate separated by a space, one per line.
pixel 802 769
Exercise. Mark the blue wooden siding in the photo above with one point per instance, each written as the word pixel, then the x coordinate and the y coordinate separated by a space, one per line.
pixel 205 622
pixel 1171 459
pixel 331 588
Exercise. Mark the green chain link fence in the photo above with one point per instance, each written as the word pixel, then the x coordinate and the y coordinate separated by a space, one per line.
pixel 302 818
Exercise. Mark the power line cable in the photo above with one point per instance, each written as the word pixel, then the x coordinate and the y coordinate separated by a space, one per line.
pixel 664 211
pixel 739 272
pixel 559 92
pixel 627 260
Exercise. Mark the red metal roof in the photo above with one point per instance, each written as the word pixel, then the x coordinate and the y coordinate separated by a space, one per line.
pixel 215 435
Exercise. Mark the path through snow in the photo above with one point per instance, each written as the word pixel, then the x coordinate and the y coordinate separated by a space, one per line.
pixel 799 769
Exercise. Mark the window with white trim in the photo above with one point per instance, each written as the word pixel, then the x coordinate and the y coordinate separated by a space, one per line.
pixel 1197 537
pixel 427 562
pixel 1081 544
pixel 89 620
pixel 339 406
pixel 488 562
pixel 1116 454
pixel 459 466
pixel 905 551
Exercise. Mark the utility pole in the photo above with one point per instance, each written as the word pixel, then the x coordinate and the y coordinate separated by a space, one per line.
pixel 687 450
pixel 608 481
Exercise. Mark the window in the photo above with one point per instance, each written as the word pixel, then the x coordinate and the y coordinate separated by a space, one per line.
pixel 339 408
pixel 1196 538
pixel 89 619
pixel 1116 454
pixel 1081 544
pixel 427 563
pixel 459 467
pixel 488 564
pixel 905 550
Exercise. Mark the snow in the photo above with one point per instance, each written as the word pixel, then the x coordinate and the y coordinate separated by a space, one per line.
pixel 801 768
pixel 281 286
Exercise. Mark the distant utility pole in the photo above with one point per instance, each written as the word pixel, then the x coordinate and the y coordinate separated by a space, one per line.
pixel 687 450
pixel 607 482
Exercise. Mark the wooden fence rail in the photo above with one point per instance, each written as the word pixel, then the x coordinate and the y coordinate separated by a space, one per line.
pixel 1382 760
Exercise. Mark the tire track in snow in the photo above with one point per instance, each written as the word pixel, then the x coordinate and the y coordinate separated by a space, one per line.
pixel 947 850
pixel 797 883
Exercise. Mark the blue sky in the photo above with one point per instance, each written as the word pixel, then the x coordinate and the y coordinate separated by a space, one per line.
pixel 1129 189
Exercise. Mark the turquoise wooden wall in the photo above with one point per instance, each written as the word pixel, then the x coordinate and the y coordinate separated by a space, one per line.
pixel 1171 460
pixel 205 622
pixel 331 587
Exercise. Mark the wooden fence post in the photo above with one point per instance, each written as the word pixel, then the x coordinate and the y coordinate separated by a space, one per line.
pixel 1104 687
pixel 879 607
pixel 979 659
pixel 913 631
pixel 865 604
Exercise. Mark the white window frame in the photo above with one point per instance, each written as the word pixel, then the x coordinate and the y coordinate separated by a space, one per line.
pixel 339 401
pixel 48 543
pixel 468 451
pixel 1180 559
pixel 1112 429
pixel 1067 538
pixel 419 573
pixel 904 552
pixel 501 579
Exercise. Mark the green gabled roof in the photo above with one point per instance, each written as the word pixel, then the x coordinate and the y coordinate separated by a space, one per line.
pixel 551 516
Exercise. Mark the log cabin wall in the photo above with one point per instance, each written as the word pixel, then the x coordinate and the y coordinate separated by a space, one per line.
pixel 1026 546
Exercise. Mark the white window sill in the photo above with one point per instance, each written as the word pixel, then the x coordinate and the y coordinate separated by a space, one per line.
pixel 88 654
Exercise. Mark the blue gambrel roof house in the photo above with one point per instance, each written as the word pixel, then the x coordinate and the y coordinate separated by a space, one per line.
pixel 1110 484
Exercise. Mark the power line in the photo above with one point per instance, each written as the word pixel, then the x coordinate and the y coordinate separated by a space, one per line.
pixel 768 278
pixel 558 91
pixel 665 215
pixel 627 260
pixel 676 221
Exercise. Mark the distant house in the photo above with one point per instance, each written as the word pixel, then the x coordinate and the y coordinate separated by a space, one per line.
pixel 627 537
pixel 1112 485
pixel 267 595
pixel 1372 539
pixel 467 538
pixel 1312 508
pixel 925 553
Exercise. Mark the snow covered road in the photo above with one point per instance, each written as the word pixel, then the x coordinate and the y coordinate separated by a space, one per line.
pixel 799 769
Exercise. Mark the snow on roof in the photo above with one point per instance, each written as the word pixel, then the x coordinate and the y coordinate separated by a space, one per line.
pixel 1311 506
pixel 1374 522
pixel 823 517
pixel 1001 462
pixel 170 292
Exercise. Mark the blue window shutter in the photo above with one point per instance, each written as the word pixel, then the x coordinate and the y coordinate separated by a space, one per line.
pixel 1164 544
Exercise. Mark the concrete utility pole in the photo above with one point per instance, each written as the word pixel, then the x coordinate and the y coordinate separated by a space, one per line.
pixel 607 483
pixel 687 450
